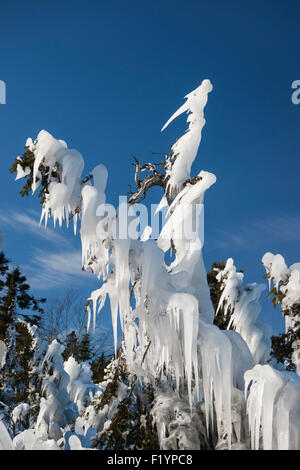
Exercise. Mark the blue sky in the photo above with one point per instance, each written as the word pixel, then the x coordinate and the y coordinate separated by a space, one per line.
pixel 106 75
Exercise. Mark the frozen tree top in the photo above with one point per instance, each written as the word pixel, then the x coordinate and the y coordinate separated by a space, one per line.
pixel 186 147
pixel 286 280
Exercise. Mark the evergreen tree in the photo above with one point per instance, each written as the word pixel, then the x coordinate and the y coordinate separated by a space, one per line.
pixel 284 345
pixel 84 349
pixel 131 425
pixel 78 348
pixel 98 367
pixel 216 292
pixel 56 407
pixel 215 287
pixel 24 353
pixel 4 266
pixel 72 346
pixel 15 299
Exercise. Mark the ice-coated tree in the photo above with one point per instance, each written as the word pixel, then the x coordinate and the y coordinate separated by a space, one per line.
pixel 211 388
pixel 56 408
pixel 286 293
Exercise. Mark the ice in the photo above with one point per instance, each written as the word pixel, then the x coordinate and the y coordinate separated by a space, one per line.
pixel 29 144
pixel 162 204
pixel 273 408
pixel 146 233
pixel 93 197
pixel 276 267
pixel 186 147
pixel 243 302
pixel 160 328
pixel 3 352
pixel 287 286
pixel 20 411
pixel 291 289
pixel 5 440
pixel 216 356
pixel 30 440
pixel 185 215
pixel 75 443
pixel 80 384
pixel 100 176
pixel 197 371
pixel 296 355
pixel 22 173
pixel 241 358
pixel 177 428
pixel 62 197
pixel 47 150
pixel 57 406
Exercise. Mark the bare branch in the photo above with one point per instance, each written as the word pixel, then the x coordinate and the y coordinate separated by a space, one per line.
pixel 144 185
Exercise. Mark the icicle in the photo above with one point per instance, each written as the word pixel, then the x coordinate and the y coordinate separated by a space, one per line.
pixel 216 355
pixel 273 408
pixel 243 304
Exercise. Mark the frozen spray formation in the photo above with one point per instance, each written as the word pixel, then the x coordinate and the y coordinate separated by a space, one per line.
pixel 165 311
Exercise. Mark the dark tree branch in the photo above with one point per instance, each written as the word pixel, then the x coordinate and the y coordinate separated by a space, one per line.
pixel 156 177
pixel 144 185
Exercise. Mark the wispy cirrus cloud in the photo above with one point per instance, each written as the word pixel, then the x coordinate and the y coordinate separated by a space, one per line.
pixel 56 269
pixel 56 264
pixel 280 228
pixel 23 221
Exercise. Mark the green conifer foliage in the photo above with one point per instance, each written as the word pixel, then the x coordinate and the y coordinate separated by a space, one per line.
pixel 15 302
pixel 282 344
pixel 72 345
pixel 98 367
pixel 27 161
pixel 131 426
pixel 215 294
pixel 84 349
pixel 282 347
pixel 221 320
